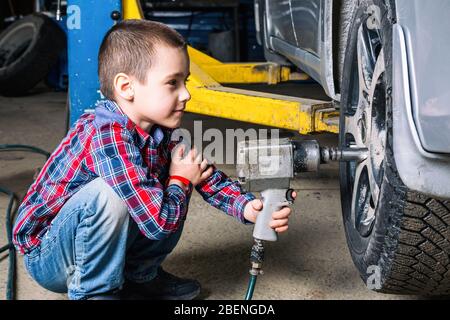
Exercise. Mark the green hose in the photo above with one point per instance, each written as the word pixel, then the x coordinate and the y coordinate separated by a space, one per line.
pixel 10 212
pixel 256 260
pixel 251 287
pixel 22 147
pixel 4 248
pixel 9 246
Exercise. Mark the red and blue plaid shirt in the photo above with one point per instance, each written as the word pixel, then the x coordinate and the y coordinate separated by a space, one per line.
pixel 134 163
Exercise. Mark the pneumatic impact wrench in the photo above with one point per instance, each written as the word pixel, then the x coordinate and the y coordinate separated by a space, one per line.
pixel 267 167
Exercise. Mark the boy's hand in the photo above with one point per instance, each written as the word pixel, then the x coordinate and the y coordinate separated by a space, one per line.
pixel 280 218
pixel 191 167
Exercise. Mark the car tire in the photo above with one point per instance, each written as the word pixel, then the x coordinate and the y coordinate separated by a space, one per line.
pixel 346 12
pixel 28 49
pixel 399 239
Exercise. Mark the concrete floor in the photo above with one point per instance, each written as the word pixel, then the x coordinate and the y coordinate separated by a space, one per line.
pixel 310 261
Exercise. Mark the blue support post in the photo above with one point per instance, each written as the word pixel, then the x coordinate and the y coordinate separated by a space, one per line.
pixel 87 23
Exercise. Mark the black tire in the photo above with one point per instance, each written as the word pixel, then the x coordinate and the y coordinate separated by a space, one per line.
pixel 399 235
pixel 344 20
pixel 28 49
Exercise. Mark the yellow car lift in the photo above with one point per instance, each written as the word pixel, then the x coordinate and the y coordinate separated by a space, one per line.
pixel 210 98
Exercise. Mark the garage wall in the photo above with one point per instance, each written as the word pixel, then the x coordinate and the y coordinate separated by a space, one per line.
pixel 196 26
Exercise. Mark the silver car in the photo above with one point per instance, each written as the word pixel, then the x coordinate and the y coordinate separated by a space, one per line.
pixel 385 63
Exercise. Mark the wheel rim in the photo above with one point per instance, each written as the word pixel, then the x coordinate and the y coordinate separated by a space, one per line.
pixel 365 126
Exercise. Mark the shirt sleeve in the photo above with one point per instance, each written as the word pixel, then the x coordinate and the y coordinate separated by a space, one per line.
pixel 225 194
pixel 157 211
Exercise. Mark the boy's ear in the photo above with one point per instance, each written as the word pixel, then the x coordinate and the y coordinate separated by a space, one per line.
pixel 123 85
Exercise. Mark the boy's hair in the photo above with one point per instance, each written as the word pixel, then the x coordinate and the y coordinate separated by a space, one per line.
pixel 129 47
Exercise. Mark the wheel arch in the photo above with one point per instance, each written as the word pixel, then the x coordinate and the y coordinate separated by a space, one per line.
pixel 342 12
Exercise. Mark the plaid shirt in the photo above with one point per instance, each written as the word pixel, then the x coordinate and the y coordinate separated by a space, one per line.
pixel 134 163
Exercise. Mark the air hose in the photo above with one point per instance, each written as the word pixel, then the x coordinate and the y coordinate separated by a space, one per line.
pixel 10 213
pixel 9 246
pixel 251 287
pixel 22 147
pixel 256 260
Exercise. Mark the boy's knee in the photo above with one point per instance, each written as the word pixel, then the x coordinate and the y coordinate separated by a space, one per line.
pixel 108 204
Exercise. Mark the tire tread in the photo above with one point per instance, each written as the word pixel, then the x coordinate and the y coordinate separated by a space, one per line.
pixel 421 263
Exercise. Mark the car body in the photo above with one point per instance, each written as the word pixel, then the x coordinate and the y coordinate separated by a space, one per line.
pixel 311 34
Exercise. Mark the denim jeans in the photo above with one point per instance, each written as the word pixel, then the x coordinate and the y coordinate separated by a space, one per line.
pixel 93 245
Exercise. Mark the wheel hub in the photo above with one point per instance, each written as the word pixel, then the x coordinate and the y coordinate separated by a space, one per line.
pixel 365 125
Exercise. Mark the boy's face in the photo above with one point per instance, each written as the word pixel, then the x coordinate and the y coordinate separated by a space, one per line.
pixel 162 99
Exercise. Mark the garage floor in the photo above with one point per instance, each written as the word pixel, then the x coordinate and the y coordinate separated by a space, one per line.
pixel 310 261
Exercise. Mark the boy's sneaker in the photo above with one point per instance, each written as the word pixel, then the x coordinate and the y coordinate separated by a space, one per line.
pixel 164 286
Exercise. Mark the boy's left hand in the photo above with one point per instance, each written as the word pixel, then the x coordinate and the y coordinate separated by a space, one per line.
pixel 280 218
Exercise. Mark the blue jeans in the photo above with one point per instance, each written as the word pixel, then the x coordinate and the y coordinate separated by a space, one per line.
pixel 93 245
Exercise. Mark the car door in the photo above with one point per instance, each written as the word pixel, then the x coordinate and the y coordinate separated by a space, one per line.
pixel 307 24
pixel 296 22
pixel 293 30
pixel 279 20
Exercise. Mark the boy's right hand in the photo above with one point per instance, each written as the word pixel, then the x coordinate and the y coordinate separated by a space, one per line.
pixel 191 167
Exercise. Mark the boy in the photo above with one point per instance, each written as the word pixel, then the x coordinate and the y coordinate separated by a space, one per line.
pixel 110 203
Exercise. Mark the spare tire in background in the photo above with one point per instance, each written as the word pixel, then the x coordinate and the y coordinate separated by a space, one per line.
pixel 28 49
